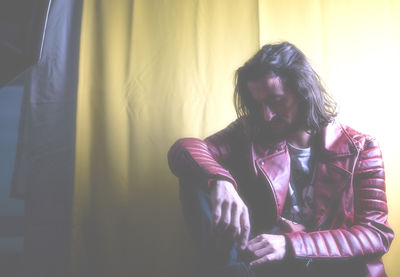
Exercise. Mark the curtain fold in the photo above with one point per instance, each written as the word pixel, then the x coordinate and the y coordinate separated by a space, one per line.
pixel 150 72
pixel 44 167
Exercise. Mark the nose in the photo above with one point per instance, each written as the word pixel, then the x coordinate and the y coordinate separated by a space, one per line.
pixel 268 113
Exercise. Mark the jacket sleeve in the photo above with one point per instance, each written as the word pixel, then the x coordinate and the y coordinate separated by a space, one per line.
pixel 370 234
pixel 205 160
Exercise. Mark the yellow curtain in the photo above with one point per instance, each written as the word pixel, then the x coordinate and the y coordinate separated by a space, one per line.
pixel 155 70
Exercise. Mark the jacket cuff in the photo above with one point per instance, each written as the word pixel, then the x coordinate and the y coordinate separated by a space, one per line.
pixel 289 249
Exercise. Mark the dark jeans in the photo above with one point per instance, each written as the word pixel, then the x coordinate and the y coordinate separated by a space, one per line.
pixel 223 258
pixel 217 258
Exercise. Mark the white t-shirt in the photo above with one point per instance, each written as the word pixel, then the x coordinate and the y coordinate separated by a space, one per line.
pixel 299 204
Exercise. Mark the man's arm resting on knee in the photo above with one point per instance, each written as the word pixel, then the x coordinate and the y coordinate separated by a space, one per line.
pixel 193 158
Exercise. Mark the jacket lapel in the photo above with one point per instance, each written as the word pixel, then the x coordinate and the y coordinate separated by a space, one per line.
pixel 334 168
pixel 334 171
pixel 275 167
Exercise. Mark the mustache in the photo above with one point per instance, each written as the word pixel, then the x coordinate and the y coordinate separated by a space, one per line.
pixel 260 128
pixel 277 120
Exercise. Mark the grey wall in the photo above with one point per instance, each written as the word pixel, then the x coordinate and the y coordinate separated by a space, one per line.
pixel 11 210
pixel 10 106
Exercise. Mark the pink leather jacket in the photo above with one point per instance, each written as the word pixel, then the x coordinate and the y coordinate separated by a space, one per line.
pixel 349 188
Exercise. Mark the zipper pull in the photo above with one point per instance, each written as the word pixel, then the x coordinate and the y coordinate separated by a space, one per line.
pixel 308 263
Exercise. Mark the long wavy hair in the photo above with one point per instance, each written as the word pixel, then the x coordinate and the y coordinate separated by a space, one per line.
pixel 291 65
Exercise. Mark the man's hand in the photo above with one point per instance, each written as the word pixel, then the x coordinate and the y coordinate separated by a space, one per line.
pixel 229 212
pixel 267 248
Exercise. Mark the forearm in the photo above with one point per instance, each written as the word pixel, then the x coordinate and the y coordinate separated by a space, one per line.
pixel 339 243
pixel 191 158
pixel 370 233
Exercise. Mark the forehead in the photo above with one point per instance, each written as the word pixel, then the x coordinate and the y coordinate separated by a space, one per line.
pixel 266 86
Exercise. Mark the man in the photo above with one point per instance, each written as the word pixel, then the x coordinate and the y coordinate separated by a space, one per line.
pixel 285 190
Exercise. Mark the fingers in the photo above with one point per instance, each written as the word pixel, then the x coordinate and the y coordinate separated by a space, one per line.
pixel 261 250
pixel 230 214
pixel 229 220
pixel 256 239
pixel 245 228
pixel 216 214
pixel 258 243
pixel 264 259
pixel 225 220
pixel 235 221
pixel 265 248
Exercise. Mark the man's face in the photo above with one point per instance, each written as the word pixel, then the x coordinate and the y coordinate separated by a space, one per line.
pixel 277 107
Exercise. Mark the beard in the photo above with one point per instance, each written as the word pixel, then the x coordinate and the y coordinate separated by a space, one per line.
pixel 278 129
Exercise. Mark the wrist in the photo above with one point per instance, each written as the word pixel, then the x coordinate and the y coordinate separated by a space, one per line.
pixel 223 182
pixel 213 180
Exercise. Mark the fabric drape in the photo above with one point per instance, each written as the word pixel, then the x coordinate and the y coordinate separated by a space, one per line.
pixel 153 71
pixel 150 71
pixel 44 167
